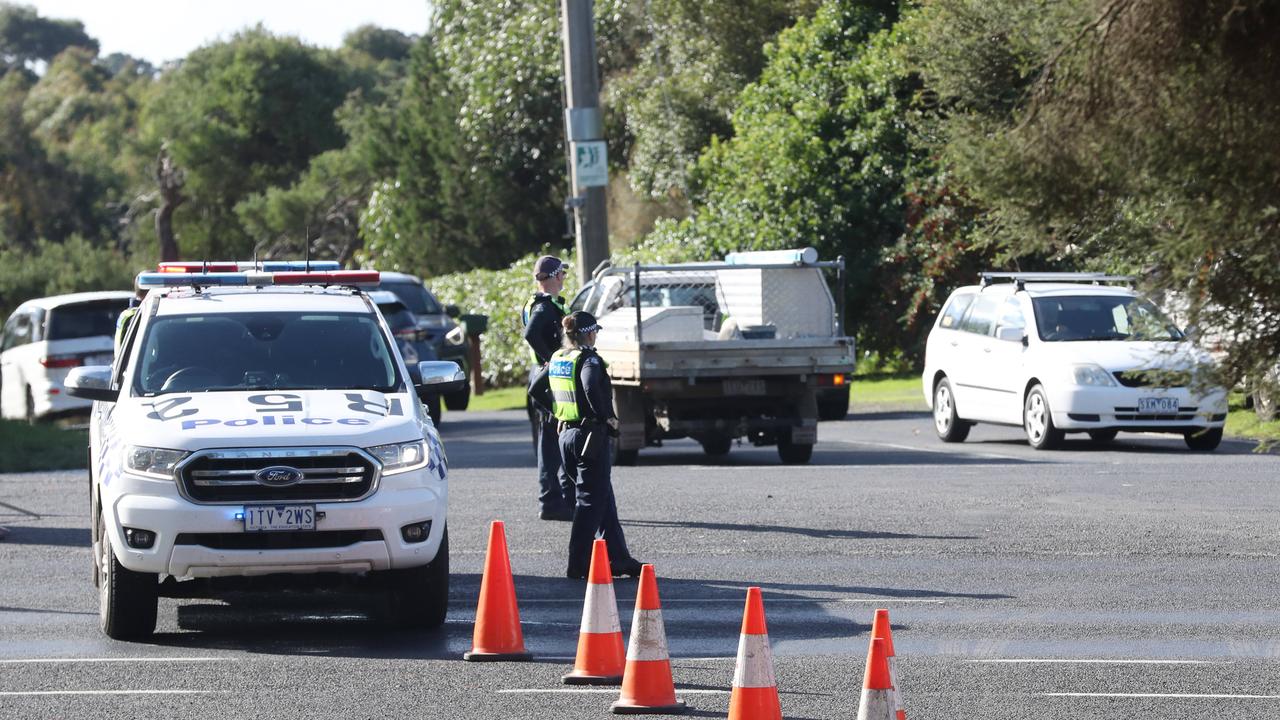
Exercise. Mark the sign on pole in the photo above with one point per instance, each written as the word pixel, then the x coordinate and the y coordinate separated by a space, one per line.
pixel 591 163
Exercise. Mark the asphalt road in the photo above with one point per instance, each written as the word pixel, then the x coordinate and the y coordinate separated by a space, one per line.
pixel 1134 581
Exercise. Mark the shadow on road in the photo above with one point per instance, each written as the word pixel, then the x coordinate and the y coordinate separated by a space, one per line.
pixel 60 537
pixel 699 614
pixel 806 532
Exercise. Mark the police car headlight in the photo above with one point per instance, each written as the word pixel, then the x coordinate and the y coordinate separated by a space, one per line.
pixel 456 336
pixel 152 462
pixel 400 457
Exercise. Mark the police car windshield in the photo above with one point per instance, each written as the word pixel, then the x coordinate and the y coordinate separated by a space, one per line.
pixel 265 351
pixel 415 297
pixel 1081 318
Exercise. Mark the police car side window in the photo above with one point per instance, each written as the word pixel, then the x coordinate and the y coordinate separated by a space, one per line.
pixel 954 311
pixel 982 316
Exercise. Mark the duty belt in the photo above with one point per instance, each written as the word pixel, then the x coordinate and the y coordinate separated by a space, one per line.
pixel 585 422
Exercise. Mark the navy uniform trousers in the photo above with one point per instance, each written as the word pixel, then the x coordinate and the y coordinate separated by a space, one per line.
pixel 589 467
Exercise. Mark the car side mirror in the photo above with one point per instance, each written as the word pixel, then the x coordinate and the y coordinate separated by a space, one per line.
pixel 437 377
pixel 1011 334
pixel 92 382
pixel 452 311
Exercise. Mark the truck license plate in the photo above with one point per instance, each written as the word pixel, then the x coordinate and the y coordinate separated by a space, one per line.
pixel 1157 406
pixel 258 518
pixel 744 387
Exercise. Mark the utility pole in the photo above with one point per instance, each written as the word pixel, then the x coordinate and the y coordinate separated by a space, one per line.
pixel 584 132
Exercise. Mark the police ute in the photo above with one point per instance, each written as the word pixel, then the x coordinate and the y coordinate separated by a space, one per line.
pixel 259 429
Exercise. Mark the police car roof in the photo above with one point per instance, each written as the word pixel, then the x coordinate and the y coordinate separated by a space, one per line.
pixel 55 301
pixel 184 301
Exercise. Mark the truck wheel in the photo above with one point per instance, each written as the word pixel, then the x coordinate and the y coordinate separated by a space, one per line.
pixel 833 405
pixel 419 597
pixel 716 445
pixel 1204 440
pixel 625 458
pixel 793 453
pixel 459 400
pixel 127 600
pixel 1037 421
pixel 946 421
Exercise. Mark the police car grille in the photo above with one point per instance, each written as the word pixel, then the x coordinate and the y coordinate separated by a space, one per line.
pixel 229 476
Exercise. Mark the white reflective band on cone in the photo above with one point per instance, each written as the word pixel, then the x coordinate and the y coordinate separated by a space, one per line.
pixel 600 612
pixel 875 705
pixel 893 680
pixel 755 663
pixel 648 636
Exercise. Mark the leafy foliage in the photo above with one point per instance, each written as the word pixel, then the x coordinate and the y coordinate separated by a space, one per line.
pixel 500 294
pixel 25 37
pixel 55 268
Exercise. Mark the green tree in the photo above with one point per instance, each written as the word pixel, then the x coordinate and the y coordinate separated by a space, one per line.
pixel 240 117
pixel 26 38
pixel 1133 135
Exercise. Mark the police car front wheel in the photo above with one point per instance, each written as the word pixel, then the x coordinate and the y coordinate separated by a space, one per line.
pixel 127 599
pixel 418 598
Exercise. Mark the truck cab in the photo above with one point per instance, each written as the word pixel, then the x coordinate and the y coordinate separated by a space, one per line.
pixel 263 424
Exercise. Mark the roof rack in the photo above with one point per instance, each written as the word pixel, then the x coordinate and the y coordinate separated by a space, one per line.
pixel 1022 278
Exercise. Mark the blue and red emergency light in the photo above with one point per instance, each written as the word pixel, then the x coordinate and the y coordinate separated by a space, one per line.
pixel 274 272
pixel 264 266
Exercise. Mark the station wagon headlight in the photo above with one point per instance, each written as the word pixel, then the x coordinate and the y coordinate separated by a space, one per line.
pixel 1092 376
pixel 456 336
pixel 400 457
pixel 153 462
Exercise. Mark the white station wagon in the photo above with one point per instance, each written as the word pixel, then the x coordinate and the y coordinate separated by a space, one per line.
pixel 1063 353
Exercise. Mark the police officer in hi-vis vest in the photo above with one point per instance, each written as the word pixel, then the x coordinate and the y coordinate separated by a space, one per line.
pixel 542 330
pixel 583 399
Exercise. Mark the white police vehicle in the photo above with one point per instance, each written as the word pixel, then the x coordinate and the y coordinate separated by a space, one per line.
pixel 1066 352
pixel 263 423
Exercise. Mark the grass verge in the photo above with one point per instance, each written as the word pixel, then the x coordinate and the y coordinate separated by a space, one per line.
pixel 508 398
pixel 40 447
pixel 886 392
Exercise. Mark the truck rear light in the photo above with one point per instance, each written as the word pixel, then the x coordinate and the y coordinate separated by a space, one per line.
pixel 61 361
pixel 836 380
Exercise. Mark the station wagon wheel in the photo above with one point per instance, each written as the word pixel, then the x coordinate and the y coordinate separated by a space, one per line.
pixel 1037 420
pixel 945 420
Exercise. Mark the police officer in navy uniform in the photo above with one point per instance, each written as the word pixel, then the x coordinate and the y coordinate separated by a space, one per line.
pixel 583 401
pixel 542 330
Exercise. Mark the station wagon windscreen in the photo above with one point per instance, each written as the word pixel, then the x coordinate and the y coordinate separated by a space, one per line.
pixel 415 297
pixel 1094 317
pixel 81 320
pixel 265 351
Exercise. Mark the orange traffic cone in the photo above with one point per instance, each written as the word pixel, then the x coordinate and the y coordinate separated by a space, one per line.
pixel 497 635
pixel 880 629
pixel 600 658
pixel 755 691
pixel 647 687
pixel 877 692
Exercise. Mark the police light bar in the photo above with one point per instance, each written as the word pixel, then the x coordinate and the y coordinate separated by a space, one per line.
pixel 263 266
pixel 351 278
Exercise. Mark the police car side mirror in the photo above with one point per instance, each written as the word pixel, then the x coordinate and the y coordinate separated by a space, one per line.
pixel 437 377
pixel 92 382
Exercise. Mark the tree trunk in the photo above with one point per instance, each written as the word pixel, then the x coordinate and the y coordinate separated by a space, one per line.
pixel 170 178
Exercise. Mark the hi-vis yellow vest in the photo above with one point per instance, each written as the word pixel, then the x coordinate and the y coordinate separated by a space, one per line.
pixel 562 371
